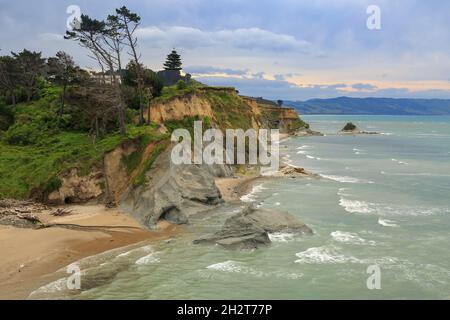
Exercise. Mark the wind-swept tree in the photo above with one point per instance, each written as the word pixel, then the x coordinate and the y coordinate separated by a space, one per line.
pixel 62 70
pixel 128 22
pixel 9 76
pixel 173 61
pixel 93 35
pixel 31 66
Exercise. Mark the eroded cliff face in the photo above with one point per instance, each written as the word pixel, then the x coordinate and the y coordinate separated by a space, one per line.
pixel 76 188
pixel 108 183
pixel 177 109
pixel 226 108
pixel 174 192
pixel 144 182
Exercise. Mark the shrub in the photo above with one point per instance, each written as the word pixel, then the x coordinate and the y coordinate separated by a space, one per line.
pixel 181 85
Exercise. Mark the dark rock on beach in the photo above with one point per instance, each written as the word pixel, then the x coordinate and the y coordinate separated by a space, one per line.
pixel 250 229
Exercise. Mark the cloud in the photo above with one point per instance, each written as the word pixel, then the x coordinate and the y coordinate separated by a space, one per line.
pixel 208 70
pixel 364 86
pixel 281 89
pixel 241 38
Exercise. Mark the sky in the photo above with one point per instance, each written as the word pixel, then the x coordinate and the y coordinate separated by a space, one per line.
pixel 277 49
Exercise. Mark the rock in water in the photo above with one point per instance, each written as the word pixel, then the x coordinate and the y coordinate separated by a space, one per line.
pixel 249 229
pixel 351 128
pixel 277 221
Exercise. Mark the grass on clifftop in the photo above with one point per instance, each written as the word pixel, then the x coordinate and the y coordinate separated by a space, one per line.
pixel 36 148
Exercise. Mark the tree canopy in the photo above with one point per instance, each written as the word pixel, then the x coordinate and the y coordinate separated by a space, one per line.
pixel 173 61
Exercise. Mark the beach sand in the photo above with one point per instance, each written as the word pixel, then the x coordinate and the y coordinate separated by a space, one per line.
pixel 28 255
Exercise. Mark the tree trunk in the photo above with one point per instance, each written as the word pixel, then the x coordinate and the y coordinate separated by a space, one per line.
pixel 28 95
pixel 63 99
pixel 123 129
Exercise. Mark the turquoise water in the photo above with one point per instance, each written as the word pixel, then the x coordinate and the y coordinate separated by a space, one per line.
pixel 382 200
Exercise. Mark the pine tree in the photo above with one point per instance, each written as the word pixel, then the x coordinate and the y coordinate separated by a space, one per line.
pixel 173 61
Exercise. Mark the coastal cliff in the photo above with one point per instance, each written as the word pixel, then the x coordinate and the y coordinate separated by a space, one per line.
pixel 134 171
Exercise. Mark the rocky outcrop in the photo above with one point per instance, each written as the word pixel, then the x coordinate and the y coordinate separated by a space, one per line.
pixel 76 188
pixel 174 192
pixel 306 132
pixel 250 229
pixel 351 128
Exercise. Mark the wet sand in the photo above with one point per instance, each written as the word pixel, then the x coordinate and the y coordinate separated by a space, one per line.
pixel 28 255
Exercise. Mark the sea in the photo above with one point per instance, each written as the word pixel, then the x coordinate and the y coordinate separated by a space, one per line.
pixel 379 208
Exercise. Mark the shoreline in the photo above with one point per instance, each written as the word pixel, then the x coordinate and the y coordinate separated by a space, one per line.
pixel 33 255
pixel 30 256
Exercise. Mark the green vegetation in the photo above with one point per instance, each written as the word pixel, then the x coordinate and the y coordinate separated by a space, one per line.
pixel 173 61
pixel 141 178
pixel 171 92
pixel 230 110
pixel 40 146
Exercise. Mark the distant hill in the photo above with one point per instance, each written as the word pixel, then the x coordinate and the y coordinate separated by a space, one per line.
pixel 372 106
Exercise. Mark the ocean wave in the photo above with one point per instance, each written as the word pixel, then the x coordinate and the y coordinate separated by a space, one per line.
pixel 352 238
pixel 310 157
pixel 304 147
pixel 355 206
pixel 324 254
pixel 232 266
pixel 345 179
pixel 227 266
pixel 251 197
pixel 387 223
pixel 387 210
pixel 143 249
pixel 301 152
pixel 399 162
pixel 148 259
pixel 281 237
pixel 330 254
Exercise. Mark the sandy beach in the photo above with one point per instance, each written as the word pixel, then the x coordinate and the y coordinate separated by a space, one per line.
pixel 30 254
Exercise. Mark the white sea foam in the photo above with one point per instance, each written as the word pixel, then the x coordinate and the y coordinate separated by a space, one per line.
pixel 387 223
pixel 351 238
pixel 281 237
pixel 251 197
pixel 310 157
pixel 148 259
pixel 144 249
pixel 322 255
pixel 399 162
pixel 355 206
pixel 301 152
pixel 330 254
pixel 304 147
pixel 345 179
pixel 232 266
pixel 227 266
pixel 387 210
